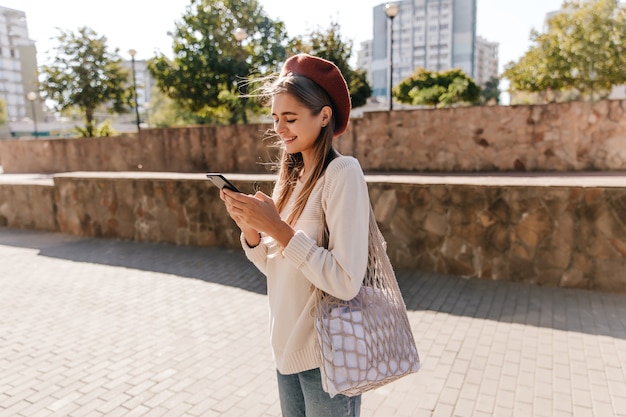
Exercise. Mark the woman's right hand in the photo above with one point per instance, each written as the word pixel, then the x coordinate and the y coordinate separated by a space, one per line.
pixel 257 213
pixel 252 235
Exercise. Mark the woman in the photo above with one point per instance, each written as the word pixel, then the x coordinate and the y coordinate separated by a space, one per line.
pixel 310 106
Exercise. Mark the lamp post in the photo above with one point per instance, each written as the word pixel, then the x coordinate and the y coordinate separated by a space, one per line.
pixel 592 77
pixel 32 97
pixel 240 35
pixel 391 10
pixel 132 53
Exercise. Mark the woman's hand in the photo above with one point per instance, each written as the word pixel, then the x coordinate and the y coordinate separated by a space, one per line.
pixel 256 213
pixel 252 236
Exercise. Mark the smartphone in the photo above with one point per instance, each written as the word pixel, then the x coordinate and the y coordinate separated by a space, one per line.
pixel 220 182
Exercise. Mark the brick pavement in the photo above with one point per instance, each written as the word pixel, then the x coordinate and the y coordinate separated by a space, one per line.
pixel 93 327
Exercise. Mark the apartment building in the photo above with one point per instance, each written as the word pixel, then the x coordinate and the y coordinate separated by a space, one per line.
pixel 434 34
pixel 364 58
pixel 144 84
pixel 18 67
pixel 486 60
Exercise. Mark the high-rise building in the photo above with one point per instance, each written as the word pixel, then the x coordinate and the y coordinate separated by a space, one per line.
pixel 18 67
pixel 364 58
pixel 144 84
pixel 486 61
pixel 434 34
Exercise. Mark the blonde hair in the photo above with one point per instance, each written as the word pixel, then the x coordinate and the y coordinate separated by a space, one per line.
pixel 290 166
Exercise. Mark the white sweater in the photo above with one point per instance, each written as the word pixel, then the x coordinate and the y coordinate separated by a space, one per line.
pixel 339 271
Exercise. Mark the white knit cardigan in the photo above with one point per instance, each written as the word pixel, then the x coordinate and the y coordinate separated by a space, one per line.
pixel 339 270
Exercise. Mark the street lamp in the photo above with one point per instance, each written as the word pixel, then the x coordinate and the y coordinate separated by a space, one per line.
pixel 132 53
pixel 592 77
pixel 240 35
pixel 32 97
pixel 391 10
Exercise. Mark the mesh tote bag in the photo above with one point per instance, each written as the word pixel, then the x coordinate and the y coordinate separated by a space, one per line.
pixel 365 342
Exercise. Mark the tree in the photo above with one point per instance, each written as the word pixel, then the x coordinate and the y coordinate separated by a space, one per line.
pixel 583 49
pixel 83 74
pixel 491 91
pixel 329 45
pixel 438 89
pixel 165 112
pixel 360 88
pixel 206 73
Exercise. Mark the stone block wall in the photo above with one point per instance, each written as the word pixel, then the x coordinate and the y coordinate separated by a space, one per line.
pixel 568 233
pixel 567 236
pixel 576 136
pixel 182 209
pixel 28 205
pixel 235 148
pixel 560 234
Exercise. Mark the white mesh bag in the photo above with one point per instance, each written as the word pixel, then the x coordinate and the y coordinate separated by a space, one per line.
pixel 365 342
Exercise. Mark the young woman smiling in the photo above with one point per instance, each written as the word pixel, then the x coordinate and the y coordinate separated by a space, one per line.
pixel 310 106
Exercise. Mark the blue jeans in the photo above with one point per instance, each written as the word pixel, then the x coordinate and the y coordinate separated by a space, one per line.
pixel 301 395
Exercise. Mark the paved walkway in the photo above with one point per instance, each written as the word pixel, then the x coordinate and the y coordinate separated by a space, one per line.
pixel 94 327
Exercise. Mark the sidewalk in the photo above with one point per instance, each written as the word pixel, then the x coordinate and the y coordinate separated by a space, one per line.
pixel 92 327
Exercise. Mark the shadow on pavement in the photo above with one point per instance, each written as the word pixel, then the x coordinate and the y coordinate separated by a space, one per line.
pixel 569 310
pixel 221 266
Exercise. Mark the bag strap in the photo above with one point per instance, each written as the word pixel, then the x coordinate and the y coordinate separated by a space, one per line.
pixel 378 263
pixel 374 235
pixel 380 272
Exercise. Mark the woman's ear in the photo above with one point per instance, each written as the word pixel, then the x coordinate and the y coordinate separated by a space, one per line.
pixel 326 113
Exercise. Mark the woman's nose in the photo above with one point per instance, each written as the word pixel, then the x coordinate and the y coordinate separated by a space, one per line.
pixel 279 126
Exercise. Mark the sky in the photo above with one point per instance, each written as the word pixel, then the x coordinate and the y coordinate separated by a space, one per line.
pixel 143 24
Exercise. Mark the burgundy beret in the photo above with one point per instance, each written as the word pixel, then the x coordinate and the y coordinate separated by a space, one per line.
pixel 326 75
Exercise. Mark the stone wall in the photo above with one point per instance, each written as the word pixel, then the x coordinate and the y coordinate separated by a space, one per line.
pixel 29 205
pixel 564 236
pixel 549 230
pixel 183 209
pixel 235 148
pixel 568 231
pixel 576 136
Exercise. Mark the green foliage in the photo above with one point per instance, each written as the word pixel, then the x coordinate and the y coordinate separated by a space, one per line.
pixel 360 89
pixel 83 74
pixel 209 64
pixel 438 89
pixel 329 45
pixel 165 112
pixel 104 129
pixel 583 49
pixel 490 93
